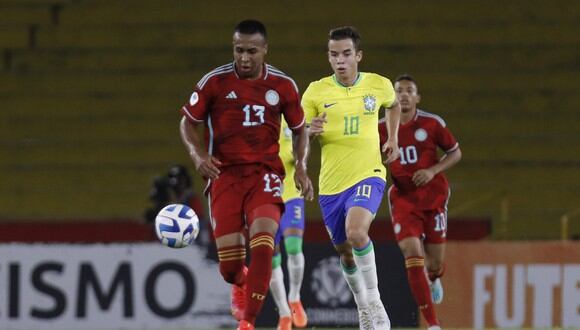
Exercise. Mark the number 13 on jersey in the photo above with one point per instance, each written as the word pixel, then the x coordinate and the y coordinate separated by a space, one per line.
pixel 254 115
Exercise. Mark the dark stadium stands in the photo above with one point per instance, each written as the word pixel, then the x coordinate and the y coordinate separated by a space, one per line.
pixel 90 92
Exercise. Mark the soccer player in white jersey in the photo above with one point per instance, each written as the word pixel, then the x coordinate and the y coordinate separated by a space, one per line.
pixel 343 112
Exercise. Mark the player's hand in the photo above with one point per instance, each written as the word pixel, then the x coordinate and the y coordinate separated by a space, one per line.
pixel 303 183
pixel 317 125
pixel 208 167
pixel 391 150
pixel 422 177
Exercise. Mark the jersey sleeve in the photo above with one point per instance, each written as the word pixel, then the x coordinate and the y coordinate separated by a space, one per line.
pixel 389 93
pixel 196 109
pixel 293 113
pixel 445 139
pixel 309 104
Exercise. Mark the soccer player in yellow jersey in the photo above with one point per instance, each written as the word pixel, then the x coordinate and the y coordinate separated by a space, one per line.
pixel 343 111
pixel 291 230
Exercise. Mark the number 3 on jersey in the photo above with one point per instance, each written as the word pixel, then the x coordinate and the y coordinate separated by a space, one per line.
pixel 254 115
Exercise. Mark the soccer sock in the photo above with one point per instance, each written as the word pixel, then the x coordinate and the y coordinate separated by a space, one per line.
pixel 232 260
pixel 356 284
pixel 259 273
pixel 277 286
pixel 420 288
pixel 295 263
pixel 365 260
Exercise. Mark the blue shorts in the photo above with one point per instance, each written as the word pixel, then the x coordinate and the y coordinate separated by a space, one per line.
pixel 293 217
pixel 368 194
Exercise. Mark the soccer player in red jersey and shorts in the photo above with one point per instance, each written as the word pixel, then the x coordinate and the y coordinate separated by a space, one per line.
pixel 240 105
pixel 419 194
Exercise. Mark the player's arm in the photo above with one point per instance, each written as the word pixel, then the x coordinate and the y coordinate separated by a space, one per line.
pixel 315 121
pixel 300 148
pixel 392 119
pixel 205 164
pixel 423 176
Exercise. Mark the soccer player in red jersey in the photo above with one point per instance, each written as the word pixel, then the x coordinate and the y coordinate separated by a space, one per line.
pixel 419 194
pixel 240 105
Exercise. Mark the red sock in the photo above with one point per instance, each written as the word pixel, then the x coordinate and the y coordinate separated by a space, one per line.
pixel 420 288
pixel 232 260
pixel 259 273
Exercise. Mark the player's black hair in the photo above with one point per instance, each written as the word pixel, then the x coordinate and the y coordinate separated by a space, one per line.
pixel 251 26
pixel 346 32
pixel 407 77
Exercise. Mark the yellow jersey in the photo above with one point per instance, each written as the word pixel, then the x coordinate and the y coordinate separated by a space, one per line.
pixel 287 156
pixel 350 142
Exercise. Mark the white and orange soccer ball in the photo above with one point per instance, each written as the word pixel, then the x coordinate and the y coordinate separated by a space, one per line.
pixel 176 226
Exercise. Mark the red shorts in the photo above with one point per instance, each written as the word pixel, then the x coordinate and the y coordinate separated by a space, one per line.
pixel 408 221
pixel 239 190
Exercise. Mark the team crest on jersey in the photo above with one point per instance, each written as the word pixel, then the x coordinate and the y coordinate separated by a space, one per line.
pixel 420 135
pixel 193 99
pixel 370 102
pixel 272 97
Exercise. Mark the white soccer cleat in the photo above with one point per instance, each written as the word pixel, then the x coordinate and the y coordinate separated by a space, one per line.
pixel 365 319
pixel 380 317
pixel 435 327
pixel 436 291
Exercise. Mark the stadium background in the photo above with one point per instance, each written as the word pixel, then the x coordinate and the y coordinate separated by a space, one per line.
pixel 90 92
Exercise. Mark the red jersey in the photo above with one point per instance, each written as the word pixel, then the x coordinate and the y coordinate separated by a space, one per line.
pixel 242 117
pixel 419 140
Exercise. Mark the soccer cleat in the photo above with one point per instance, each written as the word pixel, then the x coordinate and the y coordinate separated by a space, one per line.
pixel 299 317
pixel 365 319
pixel 245 325
pixel 379 315
pixel 434 327
pixel 285 323
pixel 436 291
pixel 238 296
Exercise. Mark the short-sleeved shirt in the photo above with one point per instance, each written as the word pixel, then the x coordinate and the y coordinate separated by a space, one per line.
pixel 350 142
pixel 242 116
pixel 419 141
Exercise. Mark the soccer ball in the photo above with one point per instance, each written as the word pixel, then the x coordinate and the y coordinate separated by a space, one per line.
pixel 176 225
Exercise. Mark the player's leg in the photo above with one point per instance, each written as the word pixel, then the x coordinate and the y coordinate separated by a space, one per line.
pixel 228 228
pixel 277 288
pixel 435 238
pixel 356 284
pixel 364 259
pixel 232 258
pixel 362 206
pixel 264 207
pixel 415 265
pixel 263 222
pixel 435 269
pixel 408 228
pixel 292 224
pixel 333 213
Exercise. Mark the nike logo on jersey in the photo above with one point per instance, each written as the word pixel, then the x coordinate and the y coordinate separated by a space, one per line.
pixel 232 95
pixel 328 105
